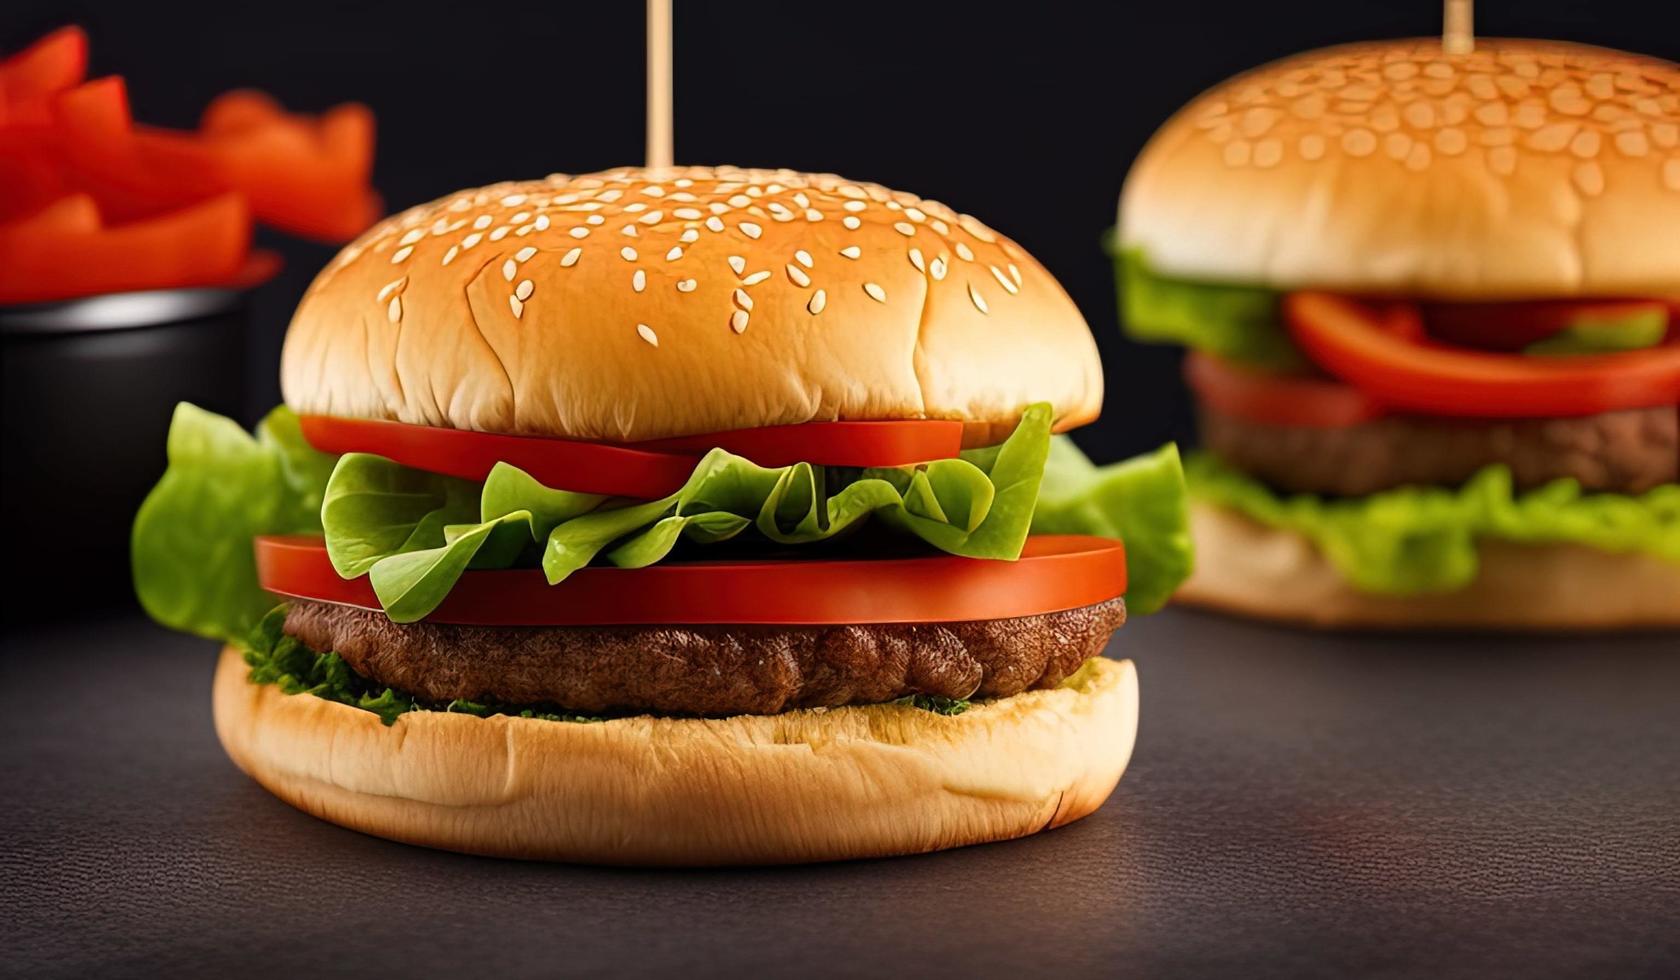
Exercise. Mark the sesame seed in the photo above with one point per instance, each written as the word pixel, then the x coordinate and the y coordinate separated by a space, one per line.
pixel 449 256
pixel 674 254
pixel 979 301
pixel 628 230
pixel 916 260
pixel 779 210
pixel 513 200
pixel 740 201
pixel 1014 273
pixel 517 305
pixel 541 222
pixel 686 285
pixel 915 214
pixel 497 234
pixel 682 182
pixel 684 197
pixel 756 277
pixel 525 288
pixel 812 214
pixel 524 230
pixel 647 334
pixel 714 224
pixel 571 258
pixel 940 226
pixel 742 300
pixel 520 218
pixel 855 206
pixel 401 254
pixel 750 230
pixel 609 195
pixel 851 221
pixel 689 214
pixel 798 275
pixel 803 258
pixel 718 207
pixel 595 219
pixel 689 236
pixel 800 199
pixel 851 252
pixel 509 269
pixel 393 311
pixel 652 218
pixel 738 321
pixel 937 267
pixel 653 190
pixel 964 252
pixel 524 254
pixel 875 292
pixel 819 300
pixel 411 237
pixel 638 282
pixel 481 222
pixel 386 290
pixel 627 253
pixel 738 264
pixel 579 232
pixel 1004 281
pixel 635 207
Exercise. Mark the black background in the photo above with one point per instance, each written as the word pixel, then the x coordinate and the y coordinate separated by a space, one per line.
pixel 1025 114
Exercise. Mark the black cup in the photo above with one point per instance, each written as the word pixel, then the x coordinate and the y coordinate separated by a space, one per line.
pixel 89 388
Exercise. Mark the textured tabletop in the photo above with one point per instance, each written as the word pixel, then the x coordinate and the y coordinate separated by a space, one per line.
pixel 1298 805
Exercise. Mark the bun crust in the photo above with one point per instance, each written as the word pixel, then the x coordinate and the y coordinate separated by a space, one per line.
pixel 1522 169
pixel 637 304
pixel 1248 569
pixel 758 789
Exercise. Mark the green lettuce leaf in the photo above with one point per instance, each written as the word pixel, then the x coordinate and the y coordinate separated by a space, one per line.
pixel 1600 333
pixel 1240 323
pixel 190 547
pixel 1423 539
pixel 1140 501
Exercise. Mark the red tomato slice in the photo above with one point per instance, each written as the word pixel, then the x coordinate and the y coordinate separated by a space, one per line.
pixel 1276 399
pixel 643 469
pixel 57 255
pixel 1055 572
pixel 30 77
pixel 885 443
pixel 1514 326
pixel 585 467
pixel 1353 341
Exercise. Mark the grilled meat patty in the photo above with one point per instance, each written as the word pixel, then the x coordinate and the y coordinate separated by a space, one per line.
pixel 709 670
pixel 1620 452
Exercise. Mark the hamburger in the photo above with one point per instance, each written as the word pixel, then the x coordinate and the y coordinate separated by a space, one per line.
pixel 677 516
pixel 1430 301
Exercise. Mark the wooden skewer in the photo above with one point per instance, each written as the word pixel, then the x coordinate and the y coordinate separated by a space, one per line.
pixel 1458 31
pixel 659 87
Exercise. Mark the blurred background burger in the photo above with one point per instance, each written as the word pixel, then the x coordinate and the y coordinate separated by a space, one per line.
pixel 1430 291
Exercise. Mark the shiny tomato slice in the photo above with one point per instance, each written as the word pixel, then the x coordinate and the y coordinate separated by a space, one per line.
pixel 1276 399
pixel 642 469
pixel 585 467
pixel 885 443
pixel 1365 344
pixel 63 251
pixel 1055 572
pixel 1514 326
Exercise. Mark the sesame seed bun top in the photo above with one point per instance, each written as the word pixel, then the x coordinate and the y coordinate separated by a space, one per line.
pixel 1521 169
pixel 636 304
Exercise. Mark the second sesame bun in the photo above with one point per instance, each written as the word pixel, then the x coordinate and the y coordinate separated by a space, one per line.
pixel 1522 169
pixel 1249 569
pixel 802 786
pixel 637 304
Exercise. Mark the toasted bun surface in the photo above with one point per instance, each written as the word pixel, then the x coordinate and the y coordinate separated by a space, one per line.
pixel 1246 568
pixel 636 304
pixel 1522 169
pixel 760 789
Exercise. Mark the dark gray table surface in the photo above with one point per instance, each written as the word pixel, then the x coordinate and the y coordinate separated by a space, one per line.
pixel 1299 805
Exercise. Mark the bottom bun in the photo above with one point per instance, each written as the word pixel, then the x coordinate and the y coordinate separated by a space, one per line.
pixel 811 785
pixel 1249 569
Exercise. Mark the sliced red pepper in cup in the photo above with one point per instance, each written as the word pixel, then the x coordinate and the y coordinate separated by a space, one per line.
pixel 30 78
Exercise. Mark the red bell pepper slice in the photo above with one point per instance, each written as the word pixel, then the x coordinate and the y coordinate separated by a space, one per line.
pixel 30 78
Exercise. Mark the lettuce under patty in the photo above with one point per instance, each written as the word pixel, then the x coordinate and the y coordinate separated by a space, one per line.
pixel 1413 540
pixel 415 533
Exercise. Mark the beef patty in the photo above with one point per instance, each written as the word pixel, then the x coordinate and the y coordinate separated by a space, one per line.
pixel 709 670
pixel 1621 452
